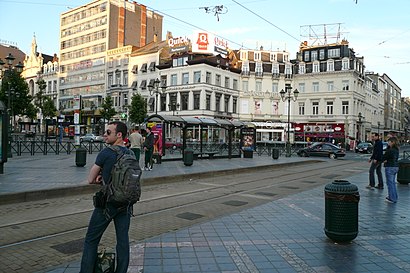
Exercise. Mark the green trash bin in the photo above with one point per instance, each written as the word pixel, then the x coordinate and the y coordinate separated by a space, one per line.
pixel 188 157
pixel 81 156
pixel 275 153
pixel 341 211
pixel 403 176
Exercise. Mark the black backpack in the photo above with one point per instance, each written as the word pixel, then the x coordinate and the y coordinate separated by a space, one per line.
pixel 124 187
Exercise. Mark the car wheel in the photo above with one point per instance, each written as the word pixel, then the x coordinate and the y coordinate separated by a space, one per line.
pixel 304 154
pixel 81 140
pixel 332 156
pixel 91 140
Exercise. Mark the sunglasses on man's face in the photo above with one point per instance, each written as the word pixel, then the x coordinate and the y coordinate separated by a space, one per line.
pixel 108 132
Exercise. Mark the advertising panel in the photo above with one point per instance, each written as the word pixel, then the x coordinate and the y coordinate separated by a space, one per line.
pixel 208 43
pixel 248 139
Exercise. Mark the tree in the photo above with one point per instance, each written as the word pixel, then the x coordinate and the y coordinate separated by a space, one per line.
pixel 43 102
pixel 16 86
pixel 138 109
pixel 107 111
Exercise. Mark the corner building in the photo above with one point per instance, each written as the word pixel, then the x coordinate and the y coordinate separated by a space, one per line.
pixel 86 34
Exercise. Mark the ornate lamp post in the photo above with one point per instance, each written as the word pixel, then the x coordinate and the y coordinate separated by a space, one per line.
pixel 93 107
pixel 359 125
pixel 287 95
pixel 173 107
pixel 378 128
pixel 18 68
pixel 154 88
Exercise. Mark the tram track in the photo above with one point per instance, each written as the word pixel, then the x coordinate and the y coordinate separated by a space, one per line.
pixel 56 238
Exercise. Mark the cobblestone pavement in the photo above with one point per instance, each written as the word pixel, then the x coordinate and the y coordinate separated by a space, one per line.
pixel 284 235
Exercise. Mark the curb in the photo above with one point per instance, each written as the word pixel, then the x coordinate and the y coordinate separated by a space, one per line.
pixel 88 189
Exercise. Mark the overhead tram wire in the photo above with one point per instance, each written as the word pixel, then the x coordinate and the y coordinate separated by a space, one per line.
pixel 336 88
pixel 194 26
pixel 267 21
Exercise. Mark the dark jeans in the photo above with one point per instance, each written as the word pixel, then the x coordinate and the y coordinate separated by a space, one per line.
pixel 98 224
pixel 137 152
pixel 148 158
pixel 378 167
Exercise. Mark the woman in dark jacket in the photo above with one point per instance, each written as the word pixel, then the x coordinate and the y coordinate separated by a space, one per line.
pixel 391 165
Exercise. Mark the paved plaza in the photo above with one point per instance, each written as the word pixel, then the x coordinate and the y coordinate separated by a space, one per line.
pixel 285 235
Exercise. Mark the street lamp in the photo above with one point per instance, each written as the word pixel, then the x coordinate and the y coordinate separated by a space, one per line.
pixel 173 107
pixel 18 68
pixel 359 125
pixel 154 88
pixel 287 95
pixel 378 128
pixel 93 107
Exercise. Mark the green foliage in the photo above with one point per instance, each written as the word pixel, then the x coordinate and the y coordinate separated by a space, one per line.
pixel 138 109
pixel 107 110
pixel 16 86
pixel 31 111
pixel 49 109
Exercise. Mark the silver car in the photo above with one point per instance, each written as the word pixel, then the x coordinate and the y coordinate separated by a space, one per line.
pixel 91 138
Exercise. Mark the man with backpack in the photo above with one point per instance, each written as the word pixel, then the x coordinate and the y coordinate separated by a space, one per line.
pixel 112 202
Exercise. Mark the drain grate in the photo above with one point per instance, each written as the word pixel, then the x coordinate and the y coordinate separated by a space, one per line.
pixel 266 193
pixel 71 247
pixel 235 203
pixel 289 187
pixel 189 216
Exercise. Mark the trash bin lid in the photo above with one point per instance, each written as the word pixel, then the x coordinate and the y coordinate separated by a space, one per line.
pixel 342 187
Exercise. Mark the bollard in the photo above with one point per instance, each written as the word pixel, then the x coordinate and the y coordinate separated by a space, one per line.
pixel 81 156
pixel 341 211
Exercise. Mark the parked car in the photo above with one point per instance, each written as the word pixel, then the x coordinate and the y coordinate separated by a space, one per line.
pixel 322 149
pixel 91 138
pixel 364 147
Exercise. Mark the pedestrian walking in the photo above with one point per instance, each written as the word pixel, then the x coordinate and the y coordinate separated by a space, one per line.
pixel 149 149
pixel 391 168
pixel 105 212
pixel 376 163
pixel 136 141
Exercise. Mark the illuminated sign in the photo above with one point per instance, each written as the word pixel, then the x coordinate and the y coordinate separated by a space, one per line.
pixel 178 44
pixel 205 42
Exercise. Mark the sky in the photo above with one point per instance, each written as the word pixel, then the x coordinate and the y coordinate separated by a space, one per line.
pixel 378 30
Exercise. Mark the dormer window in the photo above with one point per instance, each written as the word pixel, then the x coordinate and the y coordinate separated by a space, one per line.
pixel 330 65
pixel 306 57
pixel 302 68
pixel 258 69
pixel 275 69
pixel 272 57
pixel 316 67
pixel 288 69
pixel 345 64
pixel 257 56
pixel 244 55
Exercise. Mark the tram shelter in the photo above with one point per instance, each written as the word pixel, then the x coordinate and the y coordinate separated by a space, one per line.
pixel 206 137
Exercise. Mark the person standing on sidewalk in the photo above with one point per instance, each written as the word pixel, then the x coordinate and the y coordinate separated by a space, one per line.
pixel 104 213
pixel 136 141
pixel 391 168
pixel 149 149
pixel 376 163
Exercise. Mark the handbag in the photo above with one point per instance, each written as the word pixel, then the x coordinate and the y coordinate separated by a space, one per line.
pixel 105 262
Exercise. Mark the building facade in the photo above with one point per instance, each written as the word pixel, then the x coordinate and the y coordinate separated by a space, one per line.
pixel 87 33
